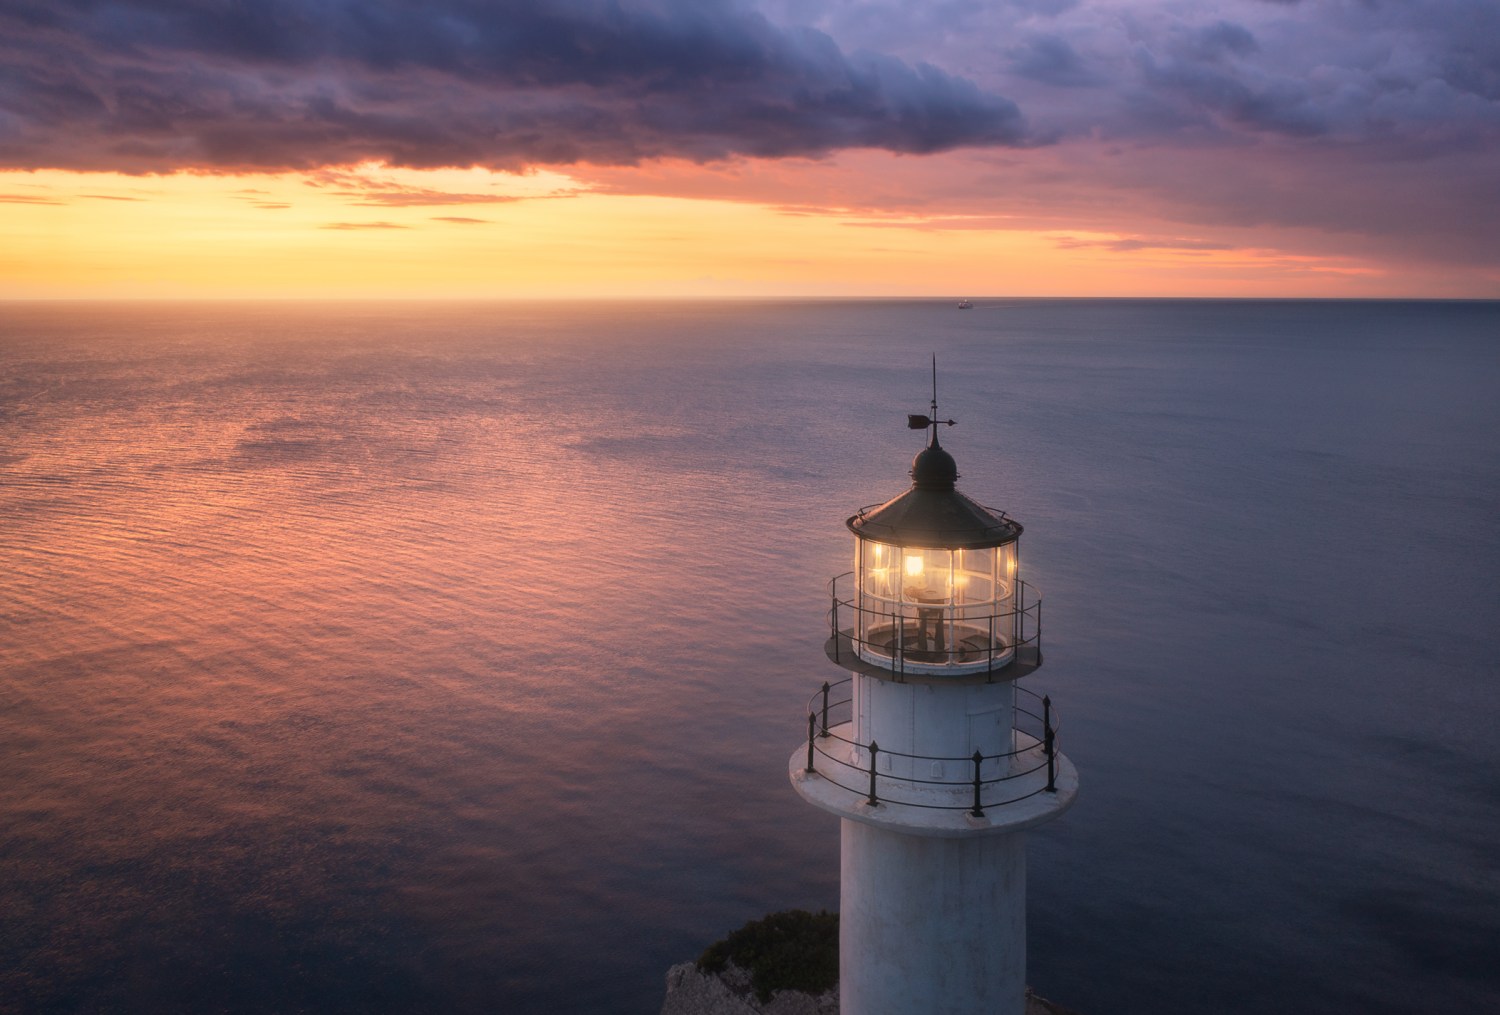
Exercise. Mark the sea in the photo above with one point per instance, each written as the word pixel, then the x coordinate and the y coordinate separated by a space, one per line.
pixel 448 657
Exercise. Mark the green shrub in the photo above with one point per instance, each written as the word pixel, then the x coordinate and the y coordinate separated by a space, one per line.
pixel 791 950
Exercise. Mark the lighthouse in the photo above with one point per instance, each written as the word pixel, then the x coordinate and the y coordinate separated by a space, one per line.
pixel 933 756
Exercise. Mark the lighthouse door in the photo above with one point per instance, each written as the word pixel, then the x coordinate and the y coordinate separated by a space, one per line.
pixel 862 732
pixel 991 714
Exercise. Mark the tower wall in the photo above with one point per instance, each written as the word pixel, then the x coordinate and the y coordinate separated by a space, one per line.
pixel 931 926
pixel 936 720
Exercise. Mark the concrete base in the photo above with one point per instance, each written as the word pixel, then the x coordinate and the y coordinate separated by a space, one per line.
pixel 931 926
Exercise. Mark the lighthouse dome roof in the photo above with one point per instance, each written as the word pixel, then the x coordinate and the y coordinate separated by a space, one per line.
pixel 934 468
pixel 933 513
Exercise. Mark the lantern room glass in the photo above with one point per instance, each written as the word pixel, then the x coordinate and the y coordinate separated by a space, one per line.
pixel 933 610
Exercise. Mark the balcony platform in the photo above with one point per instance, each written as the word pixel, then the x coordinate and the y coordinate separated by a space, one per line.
pixel 1024 661
pixel 942 812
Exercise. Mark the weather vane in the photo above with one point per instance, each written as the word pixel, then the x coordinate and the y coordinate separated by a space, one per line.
pixel 914 422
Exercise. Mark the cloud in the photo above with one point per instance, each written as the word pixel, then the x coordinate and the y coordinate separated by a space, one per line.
pixel 1052 61
pixel 925 223
pixel 1218 40
pixel 160 85
pixel 367 190
pixel 363 225
pixel 462 220
pixel 1397 76
pixel 419 196
pixel 1129 244
pixel 258 199
pixel 1283 107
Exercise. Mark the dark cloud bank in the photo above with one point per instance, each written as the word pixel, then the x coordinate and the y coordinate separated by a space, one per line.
pixel 156 85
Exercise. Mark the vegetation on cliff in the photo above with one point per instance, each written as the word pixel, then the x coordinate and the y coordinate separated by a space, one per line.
pixel 790 950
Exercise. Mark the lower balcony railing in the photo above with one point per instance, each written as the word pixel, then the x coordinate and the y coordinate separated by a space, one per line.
pixel 986 780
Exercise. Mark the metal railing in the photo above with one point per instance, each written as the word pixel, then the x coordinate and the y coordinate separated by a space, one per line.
pixel 1002 633
pixel 1024 771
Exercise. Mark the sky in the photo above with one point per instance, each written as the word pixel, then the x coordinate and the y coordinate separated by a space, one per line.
pixel 749 148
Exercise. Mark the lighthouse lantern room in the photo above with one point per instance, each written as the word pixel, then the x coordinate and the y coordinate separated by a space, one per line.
pixel 931 754
pixel 935 579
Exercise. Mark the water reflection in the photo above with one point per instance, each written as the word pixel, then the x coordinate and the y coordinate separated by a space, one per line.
pixel 447 658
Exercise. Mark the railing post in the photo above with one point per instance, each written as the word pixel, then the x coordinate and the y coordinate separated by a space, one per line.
pixel 989 668
pixel 978 810
pixel 825 709
pixel 1049 745
pixel 901 643
pixel 874 750
pixel 812 727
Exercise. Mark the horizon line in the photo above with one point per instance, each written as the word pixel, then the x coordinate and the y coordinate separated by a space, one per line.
pixel 768 298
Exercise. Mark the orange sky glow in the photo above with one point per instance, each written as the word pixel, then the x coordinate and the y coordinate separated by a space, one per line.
pixel 749 148
pixel 661 231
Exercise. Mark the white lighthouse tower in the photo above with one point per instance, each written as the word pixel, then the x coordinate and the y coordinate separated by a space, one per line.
pixel 934 758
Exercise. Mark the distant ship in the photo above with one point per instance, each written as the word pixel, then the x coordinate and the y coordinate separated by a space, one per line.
pixel 965 305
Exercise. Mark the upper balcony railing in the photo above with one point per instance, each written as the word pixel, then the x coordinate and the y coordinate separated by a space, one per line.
pixel 915 636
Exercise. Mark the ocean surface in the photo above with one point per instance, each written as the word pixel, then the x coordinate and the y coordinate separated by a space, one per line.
pixel 447 658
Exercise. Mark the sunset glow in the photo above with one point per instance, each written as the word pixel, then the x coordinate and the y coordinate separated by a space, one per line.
pixel 1103 148
pixel 376 232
